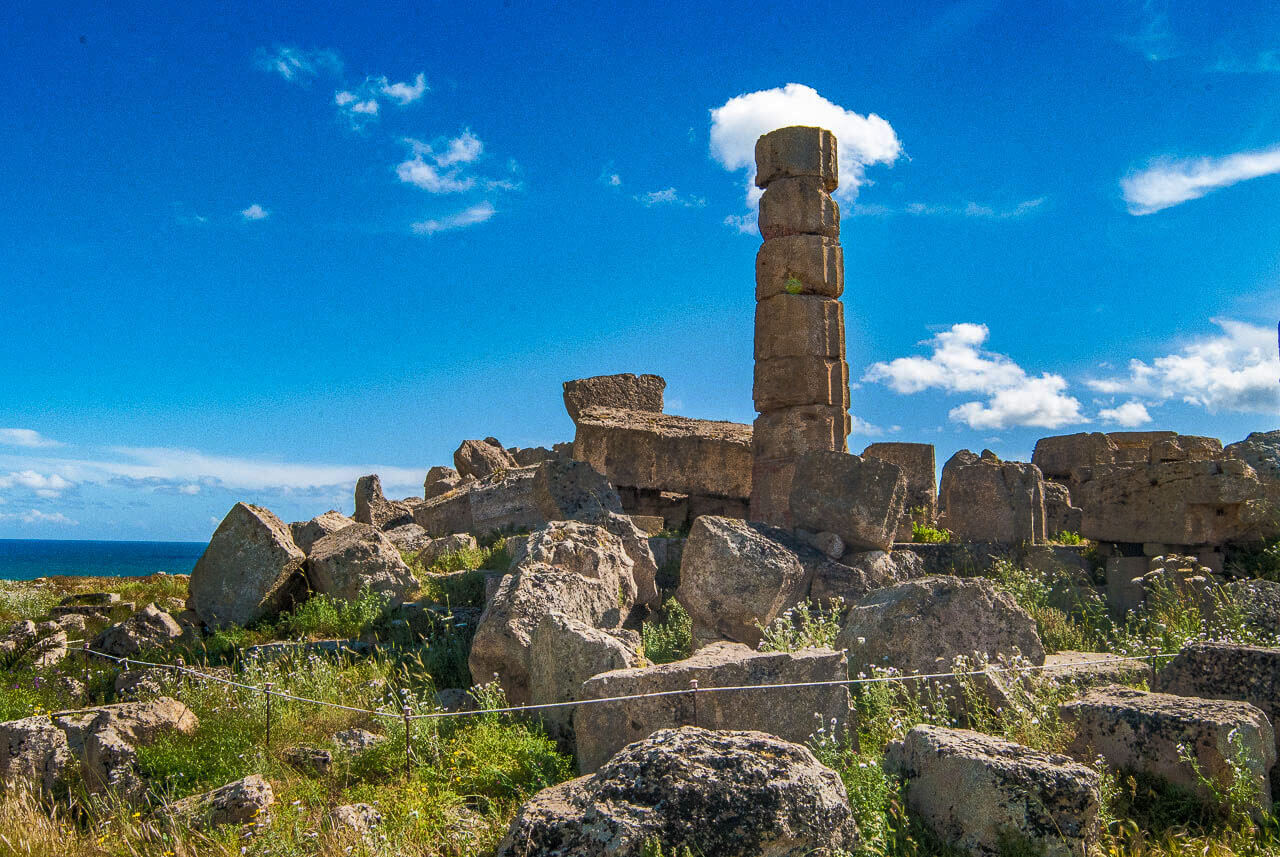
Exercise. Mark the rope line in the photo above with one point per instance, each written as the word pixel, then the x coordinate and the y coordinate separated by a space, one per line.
pixel 515 709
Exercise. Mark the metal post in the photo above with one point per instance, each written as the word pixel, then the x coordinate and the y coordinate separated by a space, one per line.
pixel 404 712
pixel 693 688
pixel 267 687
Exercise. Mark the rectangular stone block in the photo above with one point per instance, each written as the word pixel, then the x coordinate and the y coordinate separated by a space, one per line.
pixel 798 150
pixel 638 449
pixel 789 432
pixel 800 265
pixel 798 206
pixel 771 491
pixel 799 326
pixel 785 382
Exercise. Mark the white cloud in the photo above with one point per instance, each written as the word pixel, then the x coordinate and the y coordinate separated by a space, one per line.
pixel 1237 370
pixel 25 437
pixel 442 171
pixel 747 224
pixel 478 213
pixel 255 212
pixel 969 209
pixel 404 93
pixel 959 365
pixel 669 196
pixel 1130 415
pixel 47 487
pixel 1167 183
pixel 859 426
pixel 740 121
pixel 190 489
pixel 35 516
pixel 297 65
pixel 353 103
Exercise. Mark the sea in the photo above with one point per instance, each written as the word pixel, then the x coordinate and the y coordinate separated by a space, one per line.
pixel 25 559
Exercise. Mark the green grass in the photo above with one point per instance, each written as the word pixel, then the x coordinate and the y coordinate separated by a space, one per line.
pixel 925 534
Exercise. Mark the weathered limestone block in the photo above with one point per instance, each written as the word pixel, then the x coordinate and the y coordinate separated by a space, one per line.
pixel 477 459
pixel 666 453
pixel 785 382
pixel 503 640
pixel 1184 447
pixel 778 438
pixel 374 508
pixel 857 575
pixel 534 455
pixel 798 206
pixel 104 740
pixel 859 499
pixel 1085 670
pixel 735 574
pixel 923 625
pixel 1059 515
pixel 800 265
pixel 797 150
pixel 1139 731
pixel 408 538
pixel 241 802
pixel 1175 503
pixel 356 817
pixel 720 794
pixel 977 791
pixel 505 502
pixel 984 499
pixel 625 392
pixel 565 489
pixel 440 480
pixel 34 751
pixel 307 533
pixel 251 569
pixel 1060 456
pixel 149 628
pixel 585 549
pixel 447 513
pixel 563 653
pixel 343 563
pixel 433 550
pixel 1261 451
pixel 1225 671
pixel 799 326
pixel 917 463
pixel 789 713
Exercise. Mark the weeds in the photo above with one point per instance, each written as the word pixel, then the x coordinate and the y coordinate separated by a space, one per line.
pixel 668 636
pixel 805 626
pixel 925 534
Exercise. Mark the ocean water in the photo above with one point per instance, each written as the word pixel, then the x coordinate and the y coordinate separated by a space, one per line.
pixel 24 559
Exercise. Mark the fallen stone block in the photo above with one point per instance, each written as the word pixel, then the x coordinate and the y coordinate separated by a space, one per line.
pixel 440 480
pixel 916 460
pixel 375 509
pixel 1225 671
pixel 984 499
pixel 792 713
pixel 480 459
pixel 859 499
pixel 149 628
pixel 344 563
pixel 626 392
pixel 250 570
pixel 563 654
pixel 307 533
pixel 720 794
pixel 244 801
pixel 986 795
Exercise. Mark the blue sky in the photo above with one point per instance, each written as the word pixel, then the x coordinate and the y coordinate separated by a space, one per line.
pixel 253 250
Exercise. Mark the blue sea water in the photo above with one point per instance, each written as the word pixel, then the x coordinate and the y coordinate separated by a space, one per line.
pixel 24 559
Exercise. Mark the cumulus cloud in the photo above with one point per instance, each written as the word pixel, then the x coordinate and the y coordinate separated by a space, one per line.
pixel 441 169
pixel 1166 183
pixel 859 426
pixel 1235 370
pixel 48 487
pixel 958 364
pixel 404 93
pixel 255 212
pixel 35 516
pixel 297 65
pixel 669 196
pixel 739 122
pixel 24 437
pixel 1130 415
pixel 478 213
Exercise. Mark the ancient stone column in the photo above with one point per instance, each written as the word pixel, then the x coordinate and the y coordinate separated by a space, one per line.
pixel 801 379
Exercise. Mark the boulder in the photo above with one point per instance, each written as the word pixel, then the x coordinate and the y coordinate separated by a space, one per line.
pixel 34 750
pixel 917 462
pixel 793 713
pixel 440 480
pixel 584 549
pixel 984 499
pixel 626 391
pixel 408 538
pixel 735 575
pixel 859 499
pixel 435 549
pixel 534 455
pixel 563 653
pixel 1059 515
pixel 140 684
pixel 244 801
pixel 343 563
pixel 355 741
pixel 42 644
pixel 250 570
pixel 923 625
pixel 568 490
pixel 857 575
pixel 1261 451
pixel 504 636
pixel 1225 671
pixel 1137 731
pixel 719 794
pixel 505 503
pixel 149 628
pixel 312 760
pixel 662 452
pixel 375 509
pixel 1199 502
pixel 307 533
pixel 479 459
pixel 358 817
pixel 983 794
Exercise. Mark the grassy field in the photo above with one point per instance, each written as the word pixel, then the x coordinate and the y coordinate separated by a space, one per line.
pixel 468 775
